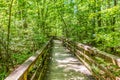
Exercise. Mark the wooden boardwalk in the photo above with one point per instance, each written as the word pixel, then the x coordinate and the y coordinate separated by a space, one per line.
pixel 65 66
pixel 76 61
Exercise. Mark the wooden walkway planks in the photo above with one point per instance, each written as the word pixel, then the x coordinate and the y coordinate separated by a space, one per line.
pixel 65 66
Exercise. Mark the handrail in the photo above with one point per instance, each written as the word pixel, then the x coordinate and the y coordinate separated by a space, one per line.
pixel 96 52
pixel 87 55
pixel 23 70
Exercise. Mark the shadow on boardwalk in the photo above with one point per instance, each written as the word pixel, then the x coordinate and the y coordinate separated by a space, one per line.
pixel 65 66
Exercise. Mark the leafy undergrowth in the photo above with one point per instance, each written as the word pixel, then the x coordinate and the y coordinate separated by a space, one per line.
pixel 18 58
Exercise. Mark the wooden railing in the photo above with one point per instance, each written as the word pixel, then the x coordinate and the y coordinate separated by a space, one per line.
pixel 102 65
pixel 34 67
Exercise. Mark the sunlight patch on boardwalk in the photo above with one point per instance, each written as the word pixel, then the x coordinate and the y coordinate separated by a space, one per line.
pixel 65 66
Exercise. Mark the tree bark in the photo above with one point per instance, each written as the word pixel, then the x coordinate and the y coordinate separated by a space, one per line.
pixel 99 18
pixel 114 19
pixel 8 56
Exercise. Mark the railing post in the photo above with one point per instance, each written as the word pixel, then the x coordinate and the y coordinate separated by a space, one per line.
pixel 84 55
pixel 25 76
pixel 118 62
pixel 74 49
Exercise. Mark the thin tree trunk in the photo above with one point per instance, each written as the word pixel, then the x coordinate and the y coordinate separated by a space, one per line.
pixel 99 15
pixel 99 18
pixel 114 20
pixel 8 56
pixel 66 32
pixel 38 12
pixel 108 22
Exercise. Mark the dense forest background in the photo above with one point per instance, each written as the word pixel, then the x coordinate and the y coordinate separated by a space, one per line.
pixel 25 25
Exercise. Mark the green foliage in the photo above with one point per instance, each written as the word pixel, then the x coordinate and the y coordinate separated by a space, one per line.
pixel 20 58
pixel 93 22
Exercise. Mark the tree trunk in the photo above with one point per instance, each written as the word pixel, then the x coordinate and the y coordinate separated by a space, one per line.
pixel 108 22
pixel 99 18
pixel 99 15
pixel 114 20
pixel 8 56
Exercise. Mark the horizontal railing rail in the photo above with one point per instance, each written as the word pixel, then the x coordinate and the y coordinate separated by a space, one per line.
pixel 104 66
pixel 32 65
